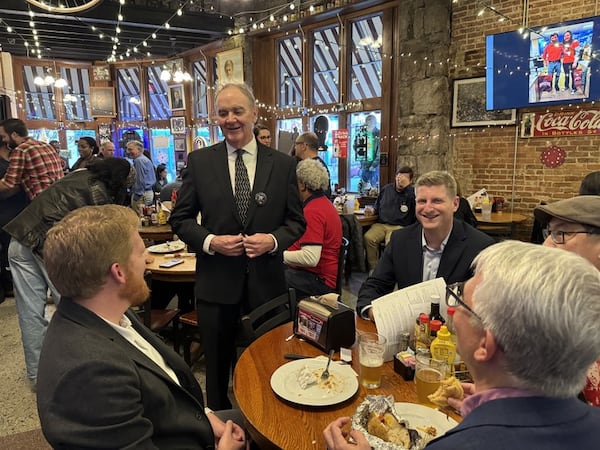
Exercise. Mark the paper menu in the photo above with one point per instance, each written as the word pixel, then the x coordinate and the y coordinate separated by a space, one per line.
pixel 397 312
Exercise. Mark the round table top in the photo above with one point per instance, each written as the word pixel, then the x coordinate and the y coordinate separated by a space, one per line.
pixel 184 272
pixel 276 423
pixel 156 232
pixel 502 217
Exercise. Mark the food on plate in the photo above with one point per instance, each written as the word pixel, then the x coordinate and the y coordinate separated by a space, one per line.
pixel 306 377
pixel 449 387
pixel 310 376
pixel 386 427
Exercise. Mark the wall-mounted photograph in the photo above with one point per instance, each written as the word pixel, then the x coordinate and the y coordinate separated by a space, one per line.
pixel 177 125
pixel 102 102
pixel 468 106
pixel 101 73
pixel 230 66
pixel 176 98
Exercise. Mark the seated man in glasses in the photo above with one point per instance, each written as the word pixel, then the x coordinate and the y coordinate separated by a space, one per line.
pixel 436 246
pixel 527 330
pixel 574 225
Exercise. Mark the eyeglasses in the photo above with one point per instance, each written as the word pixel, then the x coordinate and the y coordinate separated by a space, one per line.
pixel 454 292
pixel 560 237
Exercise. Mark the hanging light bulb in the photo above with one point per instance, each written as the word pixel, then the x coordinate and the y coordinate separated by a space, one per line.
pixel 61 83
pixel 38 81
pixel 165 75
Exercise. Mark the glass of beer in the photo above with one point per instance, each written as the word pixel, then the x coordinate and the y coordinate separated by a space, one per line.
pixel 371 347
pixel 429 373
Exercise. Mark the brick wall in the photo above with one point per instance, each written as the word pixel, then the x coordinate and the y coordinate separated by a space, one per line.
pixel 494 157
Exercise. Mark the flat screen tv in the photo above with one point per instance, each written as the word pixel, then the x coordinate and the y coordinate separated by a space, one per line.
pixel 545 67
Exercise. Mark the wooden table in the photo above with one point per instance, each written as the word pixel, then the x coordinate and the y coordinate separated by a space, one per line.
pixel 366 221
pixel 156 232
pixel 185 272
pixel 500 222
pixel 276 423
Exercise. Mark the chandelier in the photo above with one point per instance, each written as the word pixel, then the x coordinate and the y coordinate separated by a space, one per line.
pixel 173 70
pixel 49 80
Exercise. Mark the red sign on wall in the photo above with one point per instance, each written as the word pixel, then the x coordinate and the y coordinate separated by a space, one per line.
pixel 561 123
pixel 340 143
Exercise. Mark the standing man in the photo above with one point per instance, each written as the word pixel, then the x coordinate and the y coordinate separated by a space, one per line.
pixel 306 146
pixel 33 165
pixel 107 150
pixel 395 208
pixel 142 192
pixel 262 134
pixel 251 212
pixel 551 57
pixel 436 246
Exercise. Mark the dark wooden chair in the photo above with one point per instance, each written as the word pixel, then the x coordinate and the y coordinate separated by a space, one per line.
pixel 157 320
pixel 341 265
pixel 188 332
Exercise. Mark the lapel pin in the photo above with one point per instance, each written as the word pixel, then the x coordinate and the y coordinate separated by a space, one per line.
pixel 260 199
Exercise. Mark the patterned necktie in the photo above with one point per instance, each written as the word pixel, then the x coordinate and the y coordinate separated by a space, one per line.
pixel 242 186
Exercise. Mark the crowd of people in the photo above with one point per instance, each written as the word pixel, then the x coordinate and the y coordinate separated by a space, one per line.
pixel 267 224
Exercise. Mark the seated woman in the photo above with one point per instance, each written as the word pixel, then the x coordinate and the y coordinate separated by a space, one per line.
pixel 313 259
pixel 161 180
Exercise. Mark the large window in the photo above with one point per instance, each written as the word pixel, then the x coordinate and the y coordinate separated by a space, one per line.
pixel 76 94
pixel 72 138
pixel 200 83
pixel 323 126
pixel 128 88
pixel 157 94
pixel 39 98
pixel 326 62
pixel 363 151
pixel 290 72
pixel 365 70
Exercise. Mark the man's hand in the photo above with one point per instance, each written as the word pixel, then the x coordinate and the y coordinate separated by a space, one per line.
pixel 227 435
pixel 336 438
pixel 258 244
pixel 228 245
pixel 469 389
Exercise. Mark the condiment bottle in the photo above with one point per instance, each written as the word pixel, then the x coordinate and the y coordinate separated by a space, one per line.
pixel 434 313
pixel 434 327
pixel 444 349
pixel 422 340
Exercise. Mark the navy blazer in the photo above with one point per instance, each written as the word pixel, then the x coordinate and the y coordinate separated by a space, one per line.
pixel 525 423
pixel 275 208
pixel 96 390
pixel 402 260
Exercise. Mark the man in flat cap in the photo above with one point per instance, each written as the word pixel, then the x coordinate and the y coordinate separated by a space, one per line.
pixel 574 225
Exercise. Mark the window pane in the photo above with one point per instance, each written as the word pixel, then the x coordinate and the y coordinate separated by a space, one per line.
pixel 326 61
pixel 128 87
pixel 200 98
pixel 157 94
pixel 363 152
pixel 162 151
pixel 323 127
pixel 72 138
pixel 290 71
pixel 365 74
pixel 39 99
pixel 202 138
pixel 288 131
pixel 76 95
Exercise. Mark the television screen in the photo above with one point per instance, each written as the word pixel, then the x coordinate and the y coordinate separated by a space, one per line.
pixel 548 65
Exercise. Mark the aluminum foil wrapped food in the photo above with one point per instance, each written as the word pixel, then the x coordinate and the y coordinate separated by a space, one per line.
pixel 383 427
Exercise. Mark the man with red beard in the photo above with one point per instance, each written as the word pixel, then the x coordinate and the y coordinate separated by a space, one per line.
pixel 436 246
pixel 104 379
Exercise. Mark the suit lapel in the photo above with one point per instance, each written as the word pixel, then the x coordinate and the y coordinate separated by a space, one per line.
pixel 453 251
pixel 414 266
pixel 264 165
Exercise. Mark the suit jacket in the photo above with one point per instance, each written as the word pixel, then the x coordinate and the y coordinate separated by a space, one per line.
pixel 525 423
pixel 275 208
pixel 402 260
pixel 96 390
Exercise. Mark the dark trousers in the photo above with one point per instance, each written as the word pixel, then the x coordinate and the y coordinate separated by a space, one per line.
pixel 218 326
pixel 306 283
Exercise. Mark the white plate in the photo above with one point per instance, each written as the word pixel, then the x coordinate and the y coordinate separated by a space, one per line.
pixel 167 247
pixel 420 416
pixel 284 383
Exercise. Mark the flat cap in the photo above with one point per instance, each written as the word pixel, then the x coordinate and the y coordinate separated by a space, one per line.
pixel 584 209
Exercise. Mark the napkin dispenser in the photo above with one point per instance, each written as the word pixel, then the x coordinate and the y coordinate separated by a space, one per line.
pixel 327 326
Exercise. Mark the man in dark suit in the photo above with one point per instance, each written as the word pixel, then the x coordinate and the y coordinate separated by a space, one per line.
pixel 251 212
pixel 106 381
pixel 435 246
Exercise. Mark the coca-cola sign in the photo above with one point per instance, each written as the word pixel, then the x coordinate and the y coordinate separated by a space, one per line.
pixel 561 123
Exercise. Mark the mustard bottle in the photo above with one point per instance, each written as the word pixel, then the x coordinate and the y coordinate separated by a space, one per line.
pixel 443 348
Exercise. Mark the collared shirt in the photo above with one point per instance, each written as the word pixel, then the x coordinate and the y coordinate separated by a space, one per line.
pixel 249 156
pixel 134 338
pixel 396 207
pixel 479 398
pixel 432 257
pixel 35 165
pixel 145 176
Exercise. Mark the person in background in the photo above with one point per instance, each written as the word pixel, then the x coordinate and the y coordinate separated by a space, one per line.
pixel 436 246
pixel 524 386
pixel 262 134
pixel 142 192
pixel 150 398
pixel 306 147
pixel 33 165
pixel 88 149
pixel 574 225
pixel 369 171
pixel 167 191
pixel 313 259
pixel 247 194
pixel 590 185
pixel 65 162
pixel 103 181
pixel 395 208
pixel 551 56
pixel 568 60
pixel 107 150
pixel 161 179
pixel 464 211
pixel 9 208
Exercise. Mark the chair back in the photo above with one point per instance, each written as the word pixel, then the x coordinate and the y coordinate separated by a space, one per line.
pixel 341 265
pixel 275 312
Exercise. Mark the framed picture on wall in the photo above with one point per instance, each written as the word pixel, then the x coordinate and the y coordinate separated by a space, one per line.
pixel 177 125
pixel 101 73
pixel 468 106
pixel 102 102
pixel 230 66
pixel 179 144
pixel 176 98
